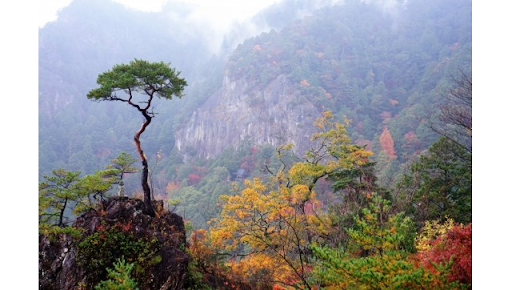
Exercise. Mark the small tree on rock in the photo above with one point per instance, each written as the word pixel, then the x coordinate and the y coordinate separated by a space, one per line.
pixel 120 166
pixel 137 84
pixel 56 194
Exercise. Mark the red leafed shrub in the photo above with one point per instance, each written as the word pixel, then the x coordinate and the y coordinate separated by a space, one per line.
pixel 457 243
pixel 193 179
pixel 411 137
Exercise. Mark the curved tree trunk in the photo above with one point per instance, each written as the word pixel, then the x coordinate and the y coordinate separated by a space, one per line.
pixel 61 215
pixel 145 170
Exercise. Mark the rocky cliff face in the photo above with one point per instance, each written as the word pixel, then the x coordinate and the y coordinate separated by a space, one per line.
pixel 276 114
pixel 118 227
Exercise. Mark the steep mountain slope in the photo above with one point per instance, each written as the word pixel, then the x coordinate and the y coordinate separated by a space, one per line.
pixel 89 38
pixel 271 115
pixel 383 67
pixel 382 64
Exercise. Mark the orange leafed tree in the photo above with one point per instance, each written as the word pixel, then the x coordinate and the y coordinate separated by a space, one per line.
pixel 266 225
pixel 171 186
pixel 387 143
pixel 269 227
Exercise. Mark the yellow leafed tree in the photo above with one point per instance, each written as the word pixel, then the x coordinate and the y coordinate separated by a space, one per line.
pixel 270 226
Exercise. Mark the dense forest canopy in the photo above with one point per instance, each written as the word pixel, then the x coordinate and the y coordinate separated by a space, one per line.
pixel 380 67
pixel 383 69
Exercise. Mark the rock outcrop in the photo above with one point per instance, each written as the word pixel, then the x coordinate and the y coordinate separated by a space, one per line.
pixel 158 244
pixel 276 114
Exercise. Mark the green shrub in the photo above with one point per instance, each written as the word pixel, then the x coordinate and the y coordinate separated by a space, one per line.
pixel 119 277
pixel 99 251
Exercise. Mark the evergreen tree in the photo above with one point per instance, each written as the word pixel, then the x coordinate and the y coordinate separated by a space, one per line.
pixel 126 83
pixel 119 277
pixel 438 185
pixel 56 195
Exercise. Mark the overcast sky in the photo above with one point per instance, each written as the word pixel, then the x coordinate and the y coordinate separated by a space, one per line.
pixel 220 13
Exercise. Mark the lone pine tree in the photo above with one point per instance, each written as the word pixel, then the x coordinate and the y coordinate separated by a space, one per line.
pixel 137 84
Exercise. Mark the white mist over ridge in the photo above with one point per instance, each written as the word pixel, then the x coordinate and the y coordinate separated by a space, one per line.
pixel 223 24
pixel 213 19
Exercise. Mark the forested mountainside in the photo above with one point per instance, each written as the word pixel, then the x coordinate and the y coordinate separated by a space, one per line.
pixel 88 38
pixel 385 69
pixel 330 150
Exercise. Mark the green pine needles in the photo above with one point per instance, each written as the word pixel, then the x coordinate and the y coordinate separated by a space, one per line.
pixel 119 277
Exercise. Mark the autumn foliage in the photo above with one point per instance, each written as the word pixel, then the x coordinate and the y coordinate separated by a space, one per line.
pixel 266 230
pixel 208 269
pixel 193 178
pixel 269 229
pixel 274 232
pixel 377 255
pixel 171 186
pixel 387 143
pixel 454 245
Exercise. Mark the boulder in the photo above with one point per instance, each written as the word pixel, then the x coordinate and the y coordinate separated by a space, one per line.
pixel 157 244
